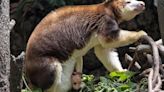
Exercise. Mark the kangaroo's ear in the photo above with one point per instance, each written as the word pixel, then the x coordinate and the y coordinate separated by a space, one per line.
pixel 107 2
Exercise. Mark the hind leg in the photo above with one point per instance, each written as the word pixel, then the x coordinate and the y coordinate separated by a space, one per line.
pixel 62 81
pixel 57 78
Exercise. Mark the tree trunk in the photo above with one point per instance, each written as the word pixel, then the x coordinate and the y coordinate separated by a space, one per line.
pixel 161 17
pixel 4 46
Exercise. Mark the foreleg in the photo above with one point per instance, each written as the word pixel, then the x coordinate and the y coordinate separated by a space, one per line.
pixel 124 38
pixel 109 58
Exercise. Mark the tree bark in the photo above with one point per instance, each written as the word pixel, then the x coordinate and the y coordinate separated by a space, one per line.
pixel 4 46
pixel 160 8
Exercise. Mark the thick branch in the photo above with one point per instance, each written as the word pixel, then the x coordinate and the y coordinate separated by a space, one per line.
pixel 154 73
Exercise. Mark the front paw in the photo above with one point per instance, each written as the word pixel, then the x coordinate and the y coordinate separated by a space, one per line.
pixel 139 35
pixel 142 33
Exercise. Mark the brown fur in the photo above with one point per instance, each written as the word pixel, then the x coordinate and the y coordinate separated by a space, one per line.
pixel 63 31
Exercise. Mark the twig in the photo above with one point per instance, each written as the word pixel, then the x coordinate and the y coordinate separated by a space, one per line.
pixel 144 48
pixel 19 58
pixel 12 23
pixel 158 85
pixel 145 72
pixel 161 50
pixel 162 69
pixel 150 77
pixel 159 42
pixel 150 59
pixel 135 57
pixel 129 58
pixel 23 78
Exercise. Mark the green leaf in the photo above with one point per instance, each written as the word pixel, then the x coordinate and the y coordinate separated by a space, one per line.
pixel 124 87
pixel 113 74
pixel 122 76
pixel 87 78
pixel 103 79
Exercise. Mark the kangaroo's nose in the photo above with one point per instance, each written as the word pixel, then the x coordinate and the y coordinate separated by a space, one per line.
pixel 142 4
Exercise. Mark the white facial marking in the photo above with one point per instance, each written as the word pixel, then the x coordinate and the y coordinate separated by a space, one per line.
pixel 132 8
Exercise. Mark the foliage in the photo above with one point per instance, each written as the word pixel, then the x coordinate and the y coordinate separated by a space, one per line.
pixel 34 90
pixel 113 82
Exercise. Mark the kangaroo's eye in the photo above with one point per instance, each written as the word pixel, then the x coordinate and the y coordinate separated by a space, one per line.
pixel 128 2
pixel 74 83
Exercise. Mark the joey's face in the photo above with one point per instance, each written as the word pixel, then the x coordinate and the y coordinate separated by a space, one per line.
pixel 76 81
pixel 131 8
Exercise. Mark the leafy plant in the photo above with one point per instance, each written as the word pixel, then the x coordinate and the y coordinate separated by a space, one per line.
pixel 113 82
